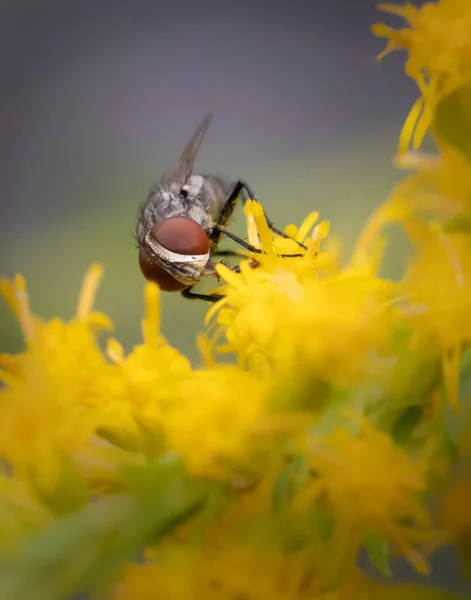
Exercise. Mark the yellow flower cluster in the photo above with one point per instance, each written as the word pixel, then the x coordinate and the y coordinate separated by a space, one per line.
pixel 344 412
pixel 438 41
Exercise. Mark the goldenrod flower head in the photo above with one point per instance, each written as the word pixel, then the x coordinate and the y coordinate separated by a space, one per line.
pixel 440 303
pixel 41 410
pixel 438 40
pixel 354 465
pixel 85 414
pixel 226 572
pixel 440 186
pixel 293 316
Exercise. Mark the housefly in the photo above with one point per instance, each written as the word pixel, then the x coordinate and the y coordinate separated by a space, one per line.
pixel 181 223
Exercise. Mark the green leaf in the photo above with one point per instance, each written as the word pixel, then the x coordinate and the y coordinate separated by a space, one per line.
pixel 152 435
pixel 465 377
pixel 378 551
pixel 293 478
pixel 84 551
pixel 460 223
pixel 70 492
pixel 215 505
pixel 322 522
pixel 406 423
pixel 457 423
pixel 125 440
pixel 299 391
pixel 406 387
pixel 452 121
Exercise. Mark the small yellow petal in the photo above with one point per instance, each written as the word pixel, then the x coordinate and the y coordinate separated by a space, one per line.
pixel 90 285
pixel 206 347
pixel 422 125
pixel 214 309
pixel 320 232
pixel 115 351
pixel 231 277
pixel 291 230
pixel 408 11
pixel 382 30
pixel 100 320
pixel 266 238
pixel 306 226
pixel 252 233
pixel 151 322
pixel 8 292
pixel 24 311
pixel 409 125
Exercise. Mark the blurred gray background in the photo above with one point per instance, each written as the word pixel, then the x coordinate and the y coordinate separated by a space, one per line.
pixel 98 98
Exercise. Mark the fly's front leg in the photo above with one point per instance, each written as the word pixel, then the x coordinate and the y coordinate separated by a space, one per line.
pixel 221 231
pixel 224 217
pixel 249 247
pixel 249 195
pixel 220 228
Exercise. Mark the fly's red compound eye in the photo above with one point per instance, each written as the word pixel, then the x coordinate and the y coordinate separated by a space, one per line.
pixel 180 235
pixel 152 272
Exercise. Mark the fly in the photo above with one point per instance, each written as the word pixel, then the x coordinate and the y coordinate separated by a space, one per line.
pixel 180 225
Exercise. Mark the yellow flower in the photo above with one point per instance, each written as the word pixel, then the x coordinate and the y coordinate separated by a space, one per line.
pixel 438 40
pixel 288 316
pixel 41 412
pixel 156 402
pixel 438 284
pixel 215 415
pixel 440 184
pixel 133 390
pixel 292 317
pixel 226 571
pixel 449 177
pixel 382 485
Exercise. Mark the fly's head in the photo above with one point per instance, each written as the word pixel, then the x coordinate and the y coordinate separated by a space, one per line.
pixel 174 253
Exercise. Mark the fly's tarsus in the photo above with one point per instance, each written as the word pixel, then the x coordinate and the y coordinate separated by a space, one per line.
pixel 187 293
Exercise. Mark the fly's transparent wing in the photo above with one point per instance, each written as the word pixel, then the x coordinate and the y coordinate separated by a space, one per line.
pixel 187 158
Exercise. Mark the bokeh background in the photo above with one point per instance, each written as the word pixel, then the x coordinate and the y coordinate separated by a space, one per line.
pixel 98 98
